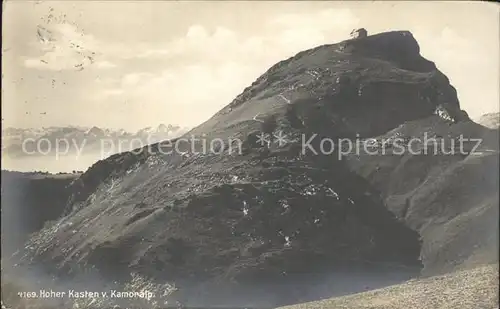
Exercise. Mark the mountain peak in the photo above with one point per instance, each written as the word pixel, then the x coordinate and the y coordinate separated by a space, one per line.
pixel 95 131
pixel 400 47
pixel 162 128
pixel 361 80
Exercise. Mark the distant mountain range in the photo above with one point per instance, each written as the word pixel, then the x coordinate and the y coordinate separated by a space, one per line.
pixel 22 142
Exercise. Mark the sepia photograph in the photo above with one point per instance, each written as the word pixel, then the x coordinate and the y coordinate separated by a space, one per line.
pixel 250 154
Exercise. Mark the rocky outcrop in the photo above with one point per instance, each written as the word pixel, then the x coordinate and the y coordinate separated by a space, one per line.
pixel 491 120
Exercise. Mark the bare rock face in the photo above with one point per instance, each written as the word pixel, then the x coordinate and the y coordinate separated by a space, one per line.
pixel 292 205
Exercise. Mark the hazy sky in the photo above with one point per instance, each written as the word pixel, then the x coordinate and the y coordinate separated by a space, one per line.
pixel 180 62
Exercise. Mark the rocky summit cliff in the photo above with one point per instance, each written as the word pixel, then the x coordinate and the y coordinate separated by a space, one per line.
pixel 276 199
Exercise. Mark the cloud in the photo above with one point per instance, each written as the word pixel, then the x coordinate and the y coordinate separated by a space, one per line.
pixel 135 79
pixel 103 95
pixel 104 64
pixel 217 45
pixel 153 53
pixel 58 59
pixel 113 92
pixel 191 83
pixel 63 47
pixel 322 20
pixel 289 33
pixel 206 68
pixel 466 63
pixel 301 31
pixel 195 73
pixel 194 91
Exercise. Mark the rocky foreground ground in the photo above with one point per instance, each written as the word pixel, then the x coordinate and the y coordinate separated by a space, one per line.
pixel 469 289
